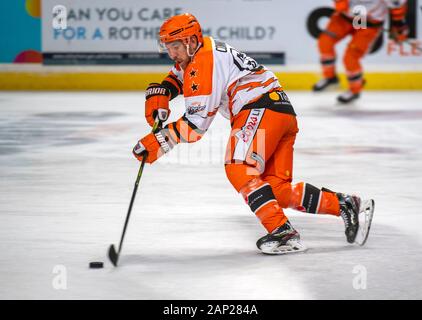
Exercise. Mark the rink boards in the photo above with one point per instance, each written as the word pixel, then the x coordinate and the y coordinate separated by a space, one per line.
pixel 37 77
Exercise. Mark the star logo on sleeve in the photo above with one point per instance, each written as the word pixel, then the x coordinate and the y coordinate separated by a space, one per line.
pixel 194 86
pixel 193 73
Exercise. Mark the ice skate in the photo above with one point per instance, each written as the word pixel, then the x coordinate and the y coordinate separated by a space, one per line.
pixel 349 211
pixel 357 216
pixel 347 97
pixel 366 213
pixel 325 84
pixel 284 239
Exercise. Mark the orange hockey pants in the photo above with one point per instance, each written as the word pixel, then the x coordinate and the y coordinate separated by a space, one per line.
pixel 259 164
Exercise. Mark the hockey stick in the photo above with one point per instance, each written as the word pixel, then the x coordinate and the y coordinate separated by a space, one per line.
pixel 113 255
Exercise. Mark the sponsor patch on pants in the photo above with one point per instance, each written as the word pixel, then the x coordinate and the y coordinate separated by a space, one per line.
pixel 247 133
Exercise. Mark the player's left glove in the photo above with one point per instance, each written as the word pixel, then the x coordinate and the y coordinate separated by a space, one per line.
pixel 154 145
pixel 399 31
pixel 157 103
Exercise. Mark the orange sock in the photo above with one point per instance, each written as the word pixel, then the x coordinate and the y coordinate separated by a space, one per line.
pixel 260 198
pixel 328 69
pixel 307 198
pixel 329 204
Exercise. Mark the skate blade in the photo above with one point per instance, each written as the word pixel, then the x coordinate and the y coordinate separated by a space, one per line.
pixel 330 88
pixel 366 210
pixel 292 246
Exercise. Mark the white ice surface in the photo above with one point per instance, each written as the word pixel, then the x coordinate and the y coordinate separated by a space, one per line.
pixel 67 175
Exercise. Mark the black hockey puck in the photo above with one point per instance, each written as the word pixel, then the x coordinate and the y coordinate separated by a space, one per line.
pixel 96 265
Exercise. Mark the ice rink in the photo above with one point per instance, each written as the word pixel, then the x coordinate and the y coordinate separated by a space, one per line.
pixel 67 175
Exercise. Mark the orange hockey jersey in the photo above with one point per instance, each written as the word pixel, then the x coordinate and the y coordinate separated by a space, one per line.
pixel 218 79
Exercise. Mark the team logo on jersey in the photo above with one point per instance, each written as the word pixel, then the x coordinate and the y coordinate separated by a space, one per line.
pixel 194 86
pixel 195 109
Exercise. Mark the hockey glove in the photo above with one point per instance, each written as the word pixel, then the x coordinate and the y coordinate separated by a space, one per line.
pixel 157 103
pixel 399 31
pixel 154 145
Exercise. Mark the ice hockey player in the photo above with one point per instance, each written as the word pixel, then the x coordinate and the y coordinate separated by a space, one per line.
pixel 341 24
pixel 214 77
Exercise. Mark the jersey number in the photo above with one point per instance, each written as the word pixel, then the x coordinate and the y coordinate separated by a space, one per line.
pixel 243 62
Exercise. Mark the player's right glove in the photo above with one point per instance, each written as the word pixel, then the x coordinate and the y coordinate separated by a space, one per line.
pixel 154 145
pixel 399 31
pixel 157 103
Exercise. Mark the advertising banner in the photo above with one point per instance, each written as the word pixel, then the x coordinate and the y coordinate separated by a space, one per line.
pixel 272 31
